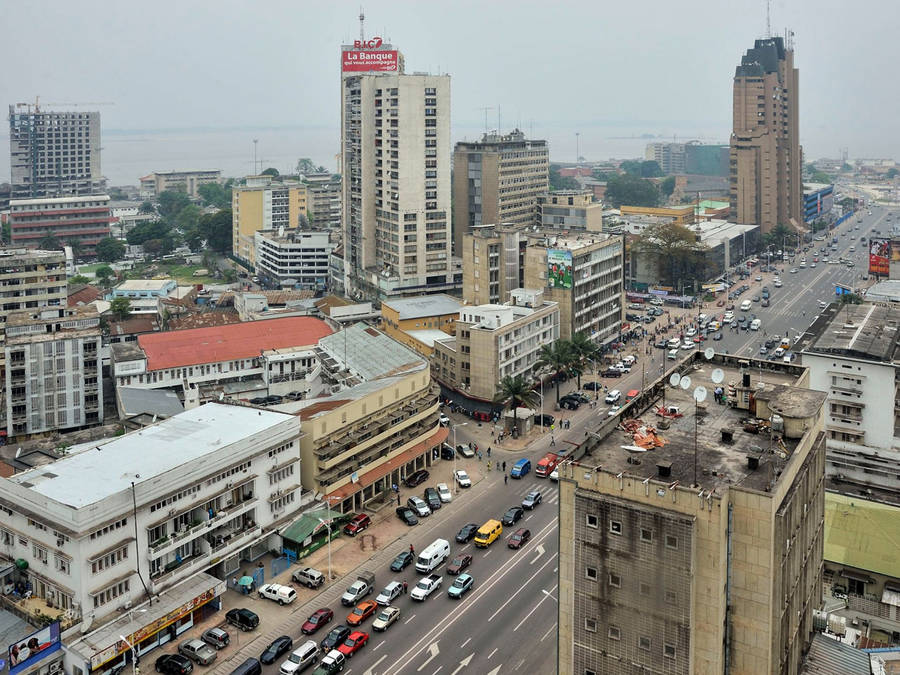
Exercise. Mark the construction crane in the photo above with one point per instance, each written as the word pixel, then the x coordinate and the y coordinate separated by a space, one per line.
pixel 37 104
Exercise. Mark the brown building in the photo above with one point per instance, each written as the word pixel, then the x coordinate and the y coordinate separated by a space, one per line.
pixel 573 210
pixel 493 263
pixel 765 172
pixel 497 180
pixel 698 549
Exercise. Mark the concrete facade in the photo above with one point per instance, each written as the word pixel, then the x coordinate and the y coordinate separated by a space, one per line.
pixel 152 185
pixel 296 259
pixel 261 204
pixel 85 220
pixel 493 263
pixel 571 210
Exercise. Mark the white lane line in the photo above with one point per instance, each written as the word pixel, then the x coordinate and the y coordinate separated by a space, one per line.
pixel 410 618
pixel 547 594
pixel 549 630
pixel 521 588
pixel 378 645
pixel 493 651
pixel 468 640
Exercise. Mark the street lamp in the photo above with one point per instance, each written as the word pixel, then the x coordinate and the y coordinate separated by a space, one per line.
pixel 134 654
pixel 455 452
pixel 328 525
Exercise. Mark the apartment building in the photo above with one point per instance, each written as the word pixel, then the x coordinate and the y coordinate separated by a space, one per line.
pixel 700 549
pixel 495 341
pixel 395 150
pixel 765 163
pixel 493 262
pixel 153 184
pixel 53 154
pixel 261 204
pixel 571 210
pixel 30 279
pixel 497 180
pixel 418 322
pixel 53 374
pixel 293 258
pixel 81 220
pixel 375 424
pixel 324 198
pixel 583 274
pixel 671 157
pixel 185 504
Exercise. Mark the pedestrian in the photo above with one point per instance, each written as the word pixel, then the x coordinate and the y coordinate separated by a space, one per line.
pixel 505 478
pixel 552 441
pixel 489 465
pixel 411 549
pixel 405 587
pixel 489 451
pixel 504 465
pixel 234 582
pixel 479 455
pixel 398 499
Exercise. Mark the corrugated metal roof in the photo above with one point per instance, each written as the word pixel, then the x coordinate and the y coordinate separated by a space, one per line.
pixel 829 657
pixel 862 534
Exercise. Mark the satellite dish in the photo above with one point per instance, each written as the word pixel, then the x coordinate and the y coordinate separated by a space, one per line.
pixel 686 382
pixel 700 394
pixel 674 379
pixel 718 376
pixel 709 352
pixel 760 386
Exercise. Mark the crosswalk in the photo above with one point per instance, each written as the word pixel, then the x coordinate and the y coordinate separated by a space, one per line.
pixel 549 489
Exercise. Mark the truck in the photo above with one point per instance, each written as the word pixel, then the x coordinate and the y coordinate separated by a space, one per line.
pixel 425 587
pixel 546 464
pixel 363 586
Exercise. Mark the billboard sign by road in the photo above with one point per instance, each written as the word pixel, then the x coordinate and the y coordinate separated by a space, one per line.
pixel 559 268
pixel 369 61
pixel 879 257
pixel 29 650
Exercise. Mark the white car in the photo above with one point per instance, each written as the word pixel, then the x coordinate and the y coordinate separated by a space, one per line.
pixel 729 317
pixel 672 354
pixel 613 396
pixel 622 367
pixel 614 410
pixel 462 478
pixel 656 301
pixel 690 332
pixel 391 591
pixel 444 420
pixel 444 493
pixel 554 475
pixel 688 346
pixel 283 595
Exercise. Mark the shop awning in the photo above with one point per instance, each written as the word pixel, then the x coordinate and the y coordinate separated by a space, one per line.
pixel 306 524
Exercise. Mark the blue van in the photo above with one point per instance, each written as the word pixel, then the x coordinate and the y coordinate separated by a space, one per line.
pixel 520 468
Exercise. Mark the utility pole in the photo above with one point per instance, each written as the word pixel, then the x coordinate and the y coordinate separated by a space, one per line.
pixel 577 146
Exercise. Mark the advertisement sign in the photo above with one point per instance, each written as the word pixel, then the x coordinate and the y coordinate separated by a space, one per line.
pixel 879 256
pixel 367 61
pixel 27 651
pixel 559 268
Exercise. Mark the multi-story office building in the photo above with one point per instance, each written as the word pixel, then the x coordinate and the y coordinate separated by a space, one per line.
pixel 818 200
pixel 54 153
pixel 181 181
pixel 168 512
pixel 72 220
pixel 495 341
pixel 53 374
pixel 765 173
pixel 671 157
pixel 293 258
pixel 417 322
pixel 572 210
pixel 30 279
pixel 583 275
pixel 697 548
pixel 261 204
pixel 493 262
pixel 395 150
pixel 497 180
pixel 324 199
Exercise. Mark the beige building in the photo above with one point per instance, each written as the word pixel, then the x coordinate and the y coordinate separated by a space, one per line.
pixel 572 210
pixel 493 262
pixel 583 275
pixel 418 322
pixel 262 204
pixel 324 198
pixel 766 181
pixel 497 180
pixel 700 551
pixel 495 341
pixel 152 185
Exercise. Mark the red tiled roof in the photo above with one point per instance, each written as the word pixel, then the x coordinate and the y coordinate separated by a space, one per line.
pixel 83 294
pixel 226 343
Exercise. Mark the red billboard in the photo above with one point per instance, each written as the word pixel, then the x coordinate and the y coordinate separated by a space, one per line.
pixel 368 61
pixel 879 257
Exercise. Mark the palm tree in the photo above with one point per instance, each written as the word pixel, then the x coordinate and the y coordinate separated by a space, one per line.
pixel 583 350
pixel 558 357
pixel 517 391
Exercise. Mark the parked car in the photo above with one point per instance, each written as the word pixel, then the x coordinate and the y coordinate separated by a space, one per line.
pixel 444 493
pixel 357 524
pixel 402 561
pixel 277 648
pixel 544 420
pixel 242 618
pixel 309 577
pixel 407 515
pixel 462 478
pixel 316 620
pixel 416 478
pixel 174 664
pixel 216 637
pixel 465 451
pixel 593 386
pixel 198 651
pixel 418 506
pixel 432 498
pixel 447 451
pixel 611 372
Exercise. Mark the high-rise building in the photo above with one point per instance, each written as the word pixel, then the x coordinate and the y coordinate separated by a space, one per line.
pixel 497 180
pixel 54 153
pixel 493 263
pixel 324 200
pixel 572 210
pixel 686 544
pixel 262 204
pixel 395 158
pixel 765 171
pixel 669 156
pixel 78 221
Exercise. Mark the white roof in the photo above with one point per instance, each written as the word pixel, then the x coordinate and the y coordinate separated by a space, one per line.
pixel 109 468
pixel 144 284
pixel 423 306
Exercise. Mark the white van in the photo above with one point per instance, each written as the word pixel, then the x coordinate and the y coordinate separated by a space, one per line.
pixel 673 354
pixel 745 306
pixel 433 555
pixel 674 343
pixel 755 324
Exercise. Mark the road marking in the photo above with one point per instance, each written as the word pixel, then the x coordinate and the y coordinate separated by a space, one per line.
pixel 547 594
pixel 540 552
pixel 521 588
pixel 494 651
pixel 464 663
pixel 437 671
pixel 378 645
pixel 371 669
pixel 433 651
pixel 549 630
pixel 410 618
pixel 468 640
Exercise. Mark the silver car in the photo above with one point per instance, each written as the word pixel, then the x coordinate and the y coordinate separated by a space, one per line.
pixel 531 500
pixel 198 651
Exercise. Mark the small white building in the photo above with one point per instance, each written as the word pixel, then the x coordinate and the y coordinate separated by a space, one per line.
pixel 144 294
pixel 293 258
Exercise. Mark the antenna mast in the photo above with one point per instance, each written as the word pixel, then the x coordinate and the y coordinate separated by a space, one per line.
pixel 362 19
pixel 768 18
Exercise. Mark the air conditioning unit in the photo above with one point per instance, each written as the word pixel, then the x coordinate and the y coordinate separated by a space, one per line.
pixel 127 605
pixel 172 512
pixel 60 542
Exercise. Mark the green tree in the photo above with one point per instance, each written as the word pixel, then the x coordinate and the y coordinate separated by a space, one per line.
pixel 558 182
pixel 846 167
pixel 850 299
pixel 603 175
pixel 631 191
pixel 171 202
pixel 515 391
pixel 674 249
pixel 556 356
pixel 848 202
pixel 214 194
pixel 146 207
pixel 583 351
pixel 78 279
pixel 159 247
pixel 104 274
pixel 158 229
pixel 75 245
pixel 50 242
pixel 777 236
pixel 188 218
pixel 110 250
pixel 7 233
pixel 667 186
pixel 642 168
pixel 271 171
pixel 120 308
pixel 216 228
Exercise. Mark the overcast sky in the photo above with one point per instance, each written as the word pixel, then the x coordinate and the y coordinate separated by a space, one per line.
pixel 601 68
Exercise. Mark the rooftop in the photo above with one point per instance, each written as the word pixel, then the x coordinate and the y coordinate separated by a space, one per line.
pixel 862 534
pixel 422 306
pixel 884 291
pixel 368 353
pixel 145 285
pixel 722 461
pixel 227 343
pixel 427 336
pixel 59 200
pixel 92 475
pixel 864 331
pixel 572 243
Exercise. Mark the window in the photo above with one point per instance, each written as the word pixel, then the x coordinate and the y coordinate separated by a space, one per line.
pixel 644 588
pixel 646 535
pixel 671 542
pixel 39 553
pixel 671 597
pixel 62 564
pixel 669 651
pixel 591 521
pixel 111 593
pixel 615 580
pixel 615 527
pixel 644 642
pixel 109 559
pixel 614 633
pixel 590 573
pixel 590 625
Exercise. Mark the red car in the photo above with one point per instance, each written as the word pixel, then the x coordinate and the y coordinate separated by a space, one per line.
pixel 357 524
pixel 356 641
pixel 459 563
pixel 361 612
pixel 518 538
pixel 318 619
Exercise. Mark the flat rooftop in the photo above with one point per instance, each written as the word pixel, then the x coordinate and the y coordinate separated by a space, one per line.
pixel 144 285
pixel 368 353
pixel 110 467
pixel 553 239
pixel 864 331
pixel 720 463
pixel 423 306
